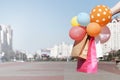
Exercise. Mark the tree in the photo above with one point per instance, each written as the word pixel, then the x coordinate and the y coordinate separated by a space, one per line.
pixel 111 55
pixel 36 57
pixel 8 56
pixel 24 56
pixel 20 56
pixel 109 58
pixel 118 54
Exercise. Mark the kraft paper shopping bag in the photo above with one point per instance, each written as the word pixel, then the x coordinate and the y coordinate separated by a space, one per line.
pixel 78 47
pixel 84 51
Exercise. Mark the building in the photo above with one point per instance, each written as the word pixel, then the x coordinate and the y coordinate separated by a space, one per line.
pixel 114 42
pixel 61 50
pixel 6 37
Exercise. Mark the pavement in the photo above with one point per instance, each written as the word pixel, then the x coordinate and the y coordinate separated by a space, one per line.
pixel 55 71
pixel 32 71
pixel 106 71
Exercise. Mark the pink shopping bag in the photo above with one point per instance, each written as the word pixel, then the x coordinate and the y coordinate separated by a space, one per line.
pixel 88 65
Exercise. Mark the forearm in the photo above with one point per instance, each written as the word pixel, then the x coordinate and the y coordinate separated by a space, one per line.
pixel 116 8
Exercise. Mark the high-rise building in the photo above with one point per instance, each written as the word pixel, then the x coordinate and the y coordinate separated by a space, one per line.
pixel 114 42
pixel 6 34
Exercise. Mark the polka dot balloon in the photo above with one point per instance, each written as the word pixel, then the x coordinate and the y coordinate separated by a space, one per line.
pixel 101 14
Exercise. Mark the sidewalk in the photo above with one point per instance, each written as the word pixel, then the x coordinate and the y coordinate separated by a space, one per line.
pixel 32 71
pixel 106 71
pixel 55 71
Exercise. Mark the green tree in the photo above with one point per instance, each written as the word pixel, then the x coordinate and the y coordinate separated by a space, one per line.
pixel 118 54
pixel 109 58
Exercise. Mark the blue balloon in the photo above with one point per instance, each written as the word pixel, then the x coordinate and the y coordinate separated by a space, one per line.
pixel 83 19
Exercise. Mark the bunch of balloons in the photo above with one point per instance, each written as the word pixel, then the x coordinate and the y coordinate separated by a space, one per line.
pixel 93 24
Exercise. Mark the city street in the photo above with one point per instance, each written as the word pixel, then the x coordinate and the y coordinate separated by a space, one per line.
pixel 55 71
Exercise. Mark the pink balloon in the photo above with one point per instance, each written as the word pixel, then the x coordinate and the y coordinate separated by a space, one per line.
pixel 77 33
pixel 105 34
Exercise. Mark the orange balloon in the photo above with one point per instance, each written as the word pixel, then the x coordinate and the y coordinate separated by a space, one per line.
pixel 93 29
pixel 101 14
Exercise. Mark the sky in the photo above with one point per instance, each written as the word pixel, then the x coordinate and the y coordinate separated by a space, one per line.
pixel 39 24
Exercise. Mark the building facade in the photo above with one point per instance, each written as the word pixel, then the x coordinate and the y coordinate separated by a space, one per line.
pixel 114 42
pixel 61 50
pixel 6 37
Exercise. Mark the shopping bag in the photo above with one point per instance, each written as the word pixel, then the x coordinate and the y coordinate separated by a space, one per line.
pixel 98 47
pixel 88 65
pixel 84 51
pixel 78 48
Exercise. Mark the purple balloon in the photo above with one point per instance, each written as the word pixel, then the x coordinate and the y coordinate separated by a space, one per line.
pixel 105 34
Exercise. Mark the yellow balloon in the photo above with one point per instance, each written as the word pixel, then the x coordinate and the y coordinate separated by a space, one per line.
pixel 74 22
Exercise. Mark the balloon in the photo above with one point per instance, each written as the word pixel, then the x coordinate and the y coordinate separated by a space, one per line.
pixel 77 33
pixel 105 34
pixel 93 29
pixel 74 21
pixel 101 14
pixel 83 19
